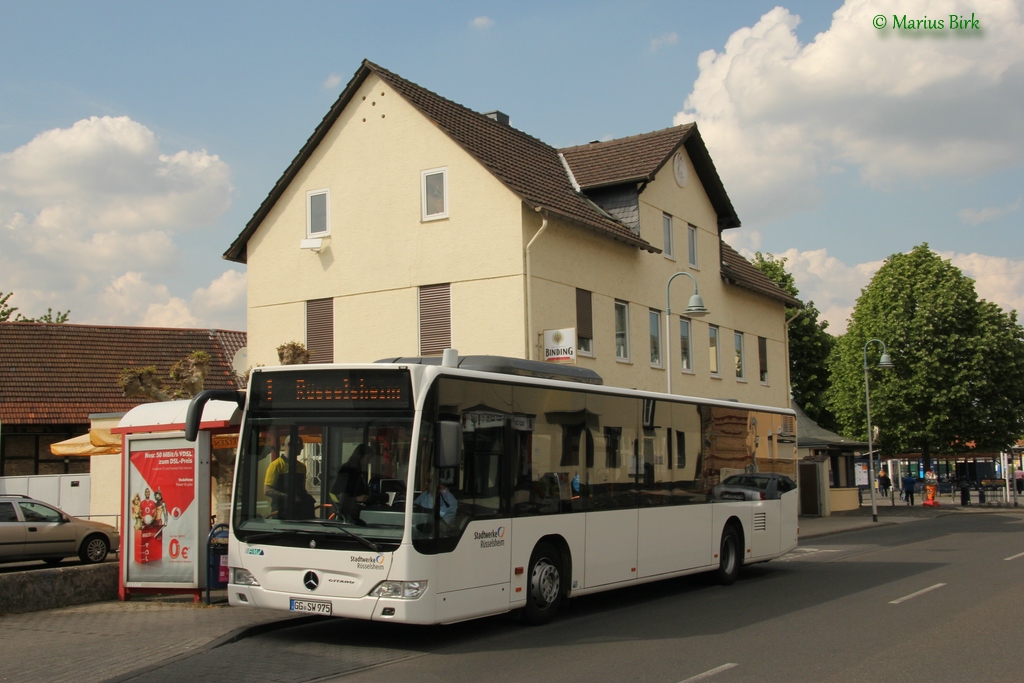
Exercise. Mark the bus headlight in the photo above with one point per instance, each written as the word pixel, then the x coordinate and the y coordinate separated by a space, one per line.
pixel 243 577
pixel 403 590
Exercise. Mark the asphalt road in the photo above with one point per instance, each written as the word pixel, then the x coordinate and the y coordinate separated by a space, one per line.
pixel 938 600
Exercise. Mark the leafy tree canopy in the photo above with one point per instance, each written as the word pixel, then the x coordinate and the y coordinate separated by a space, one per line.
pixel 958 379
pixel 7 311
pixel 187 376
pixel 809 345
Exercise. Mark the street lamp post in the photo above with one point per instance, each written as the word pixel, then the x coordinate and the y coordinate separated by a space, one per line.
pixel 885 363
pixel 695 309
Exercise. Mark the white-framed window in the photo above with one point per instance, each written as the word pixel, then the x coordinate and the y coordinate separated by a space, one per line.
pixel 621 330
pixel 318 213
pixel 654 318
pixel 691 241
pixel 434 191
pixel 716 370
pixel 762 359
pixel 685 359
pixel 670 241
pixel 737 338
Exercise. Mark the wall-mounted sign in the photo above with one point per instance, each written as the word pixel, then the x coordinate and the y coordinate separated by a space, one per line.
pixel 860 471
pixel 560 345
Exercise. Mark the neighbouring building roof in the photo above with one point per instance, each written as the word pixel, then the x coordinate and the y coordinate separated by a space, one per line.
pixel 809 434
pixel 742 273
pixel 638 158
pixel 59 374
pixel 525 165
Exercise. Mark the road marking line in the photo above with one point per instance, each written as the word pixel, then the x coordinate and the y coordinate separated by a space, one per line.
pixel 1014 557
pixel 709 673
pixel 914 595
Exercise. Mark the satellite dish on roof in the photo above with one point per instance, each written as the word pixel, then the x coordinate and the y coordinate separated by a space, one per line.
pixel 240 363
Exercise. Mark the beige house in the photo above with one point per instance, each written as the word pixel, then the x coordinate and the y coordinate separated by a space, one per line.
pixel 408 224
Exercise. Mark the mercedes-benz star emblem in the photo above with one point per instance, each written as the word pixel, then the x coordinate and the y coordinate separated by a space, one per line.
pixel 311 581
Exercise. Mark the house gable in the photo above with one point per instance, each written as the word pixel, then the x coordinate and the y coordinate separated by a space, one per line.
pixel 526 166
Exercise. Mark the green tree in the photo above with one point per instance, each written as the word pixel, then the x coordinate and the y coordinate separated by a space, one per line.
pixel 6 311
pixel 809 345
pixel 958 376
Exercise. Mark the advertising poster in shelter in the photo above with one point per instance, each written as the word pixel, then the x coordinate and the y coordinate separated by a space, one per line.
pixel 161 523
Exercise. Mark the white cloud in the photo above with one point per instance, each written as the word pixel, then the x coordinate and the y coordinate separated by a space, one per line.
pixel 834 286
pixel 777 114
pixel 996 279
pixel 663 40
pixel 133 298
pixel 976 217
pixel 226 293
pixel 482 23
pixel 331 82
pixel 89 215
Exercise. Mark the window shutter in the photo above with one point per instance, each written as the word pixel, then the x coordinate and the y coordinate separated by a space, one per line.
pixel 435 319
pixel 320 330
pixel 584 314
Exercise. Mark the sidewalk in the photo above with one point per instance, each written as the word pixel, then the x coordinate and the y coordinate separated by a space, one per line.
pixel 97 642
pixel 893 512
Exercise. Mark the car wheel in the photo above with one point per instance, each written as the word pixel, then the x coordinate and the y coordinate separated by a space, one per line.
pixel 544 592
pixel 729 557
pixel 94 549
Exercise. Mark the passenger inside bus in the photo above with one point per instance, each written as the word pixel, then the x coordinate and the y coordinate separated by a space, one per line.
pixel 350 487
pixel 448 504
pixel 285 485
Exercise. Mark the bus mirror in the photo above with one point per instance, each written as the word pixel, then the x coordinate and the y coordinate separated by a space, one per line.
pixel 449 441
pixel 194 414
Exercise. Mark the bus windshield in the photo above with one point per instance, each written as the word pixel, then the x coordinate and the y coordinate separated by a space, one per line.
pixel 340 479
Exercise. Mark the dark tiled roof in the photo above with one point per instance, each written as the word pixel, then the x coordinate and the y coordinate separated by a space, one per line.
pixel 634 159
pixel 59 374
pixel 527 166
pixel 743 273
pixel 638 158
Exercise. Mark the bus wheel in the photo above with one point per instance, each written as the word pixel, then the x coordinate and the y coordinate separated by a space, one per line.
pixel 729 561
pixel 545 589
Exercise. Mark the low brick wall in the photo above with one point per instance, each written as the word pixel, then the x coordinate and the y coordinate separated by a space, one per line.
pixel 39 589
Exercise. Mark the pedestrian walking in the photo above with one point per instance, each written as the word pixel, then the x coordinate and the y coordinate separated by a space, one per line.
pixel 884 482
pixel 1018 478
pixel 909 484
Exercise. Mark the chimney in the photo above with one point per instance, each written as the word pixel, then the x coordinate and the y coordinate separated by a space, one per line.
pixel 498 116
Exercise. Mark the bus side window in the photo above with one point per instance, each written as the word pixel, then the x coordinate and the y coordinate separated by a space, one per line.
pixel 613 477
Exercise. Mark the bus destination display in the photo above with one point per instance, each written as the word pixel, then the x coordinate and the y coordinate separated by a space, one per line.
pixel 349 389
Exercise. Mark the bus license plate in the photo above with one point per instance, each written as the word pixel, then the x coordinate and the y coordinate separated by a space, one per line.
pixel 314 606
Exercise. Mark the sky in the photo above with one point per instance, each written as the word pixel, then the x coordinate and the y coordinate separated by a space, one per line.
pixel 137 139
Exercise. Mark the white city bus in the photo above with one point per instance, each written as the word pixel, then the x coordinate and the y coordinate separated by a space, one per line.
pixel 547 485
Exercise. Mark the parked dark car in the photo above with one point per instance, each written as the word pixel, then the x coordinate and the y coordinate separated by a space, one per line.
pixel 753 486
pixel 33 530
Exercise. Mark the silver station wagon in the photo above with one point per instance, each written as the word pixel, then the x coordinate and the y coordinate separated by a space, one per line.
pixel 33 530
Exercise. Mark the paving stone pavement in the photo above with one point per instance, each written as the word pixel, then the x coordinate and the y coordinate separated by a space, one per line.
pixel 93 643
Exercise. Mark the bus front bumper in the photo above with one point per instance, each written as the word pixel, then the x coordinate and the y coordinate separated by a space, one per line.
pixel 418 611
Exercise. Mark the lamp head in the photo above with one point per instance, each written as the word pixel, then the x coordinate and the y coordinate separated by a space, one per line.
pixel 696 307
pixel 885 362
